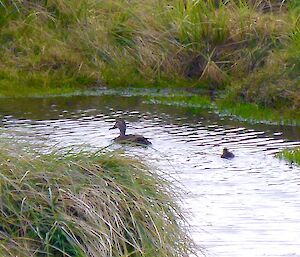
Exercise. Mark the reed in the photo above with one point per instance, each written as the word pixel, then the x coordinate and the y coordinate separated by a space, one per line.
pixel 84 204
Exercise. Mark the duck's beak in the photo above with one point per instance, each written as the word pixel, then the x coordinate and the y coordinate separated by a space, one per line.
pixel 113 127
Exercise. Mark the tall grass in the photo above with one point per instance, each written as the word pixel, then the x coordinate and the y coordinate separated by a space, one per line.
pixel 86 205
pixel 248 47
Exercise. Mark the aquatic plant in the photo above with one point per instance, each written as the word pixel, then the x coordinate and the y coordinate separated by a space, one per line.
pixel 84 204
pixel 291 155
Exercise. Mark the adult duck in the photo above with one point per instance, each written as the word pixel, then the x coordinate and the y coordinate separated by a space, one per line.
pixel 226 154
pixel 123 138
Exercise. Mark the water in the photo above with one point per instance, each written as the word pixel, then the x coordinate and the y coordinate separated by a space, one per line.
pixel 248 206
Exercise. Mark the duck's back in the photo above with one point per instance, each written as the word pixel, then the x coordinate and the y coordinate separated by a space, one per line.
pixel 227 155
pixel 136 139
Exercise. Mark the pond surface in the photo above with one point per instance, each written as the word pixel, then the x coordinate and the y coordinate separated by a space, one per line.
pixel 248 206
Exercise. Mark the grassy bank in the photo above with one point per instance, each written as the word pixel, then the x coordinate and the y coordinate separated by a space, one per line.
pixel 248 48
pixel 86 205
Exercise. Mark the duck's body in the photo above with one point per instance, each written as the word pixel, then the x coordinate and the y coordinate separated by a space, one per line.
pixel 136 139
pixel 226 154
pixel 133 139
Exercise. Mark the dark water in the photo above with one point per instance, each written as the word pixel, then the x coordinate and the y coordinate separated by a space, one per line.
pixel 249 206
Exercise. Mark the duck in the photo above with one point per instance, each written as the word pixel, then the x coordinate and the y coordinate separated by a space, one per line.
pixel 226 154
pixel 123 138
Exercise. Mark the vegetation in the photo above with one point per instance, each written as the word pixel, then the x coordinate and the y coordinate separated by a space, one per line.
pixel 249 48
pixel 292 156
pixel 84 204
pixel 183 99
pixel 250 112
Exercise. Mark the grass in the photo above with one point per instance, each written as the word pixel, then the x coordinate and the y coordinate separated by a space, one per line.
pixel 290 155
pixel 243 111
pixel 189 100
pixel 33 84
pixel 255 113
pixel 85 204
pixel 248 48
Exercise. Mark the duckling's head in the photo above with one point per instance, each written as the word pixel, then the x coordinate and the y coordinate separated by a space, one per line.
pixel 225 150
pixel 121 125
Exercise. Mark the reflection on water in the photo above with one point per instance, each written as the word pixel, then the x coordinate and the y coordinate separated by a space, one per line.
pixel 248 206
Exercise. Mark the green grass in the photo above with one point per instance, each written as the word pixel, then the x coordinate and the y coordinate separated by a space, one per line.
pixel 85 204
pixel 248 48
pixel 255 113
pixel 184 99
pixel 243 111
pixel 290 155
pixel 32 86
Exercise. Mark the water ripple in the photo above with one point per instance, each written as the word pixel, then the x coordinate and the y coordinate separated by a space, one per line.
pixel 248 206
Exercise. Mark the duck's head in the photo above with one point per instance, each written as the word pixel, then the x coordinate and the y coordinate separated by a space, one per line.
pixel 121 125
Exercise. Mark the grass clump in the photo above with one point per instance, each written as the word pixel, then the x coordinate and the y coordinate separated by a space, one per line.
pixel 86 205
pixel 276 83
pixel 292 156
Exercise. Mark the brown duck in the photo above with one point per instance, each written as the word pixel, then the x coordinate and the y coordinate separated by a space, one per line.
pixel 226 154
pixel 123 138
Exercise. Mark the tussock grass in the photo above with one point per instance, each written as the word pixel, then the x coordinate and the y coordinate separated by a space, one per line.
pixel 86 204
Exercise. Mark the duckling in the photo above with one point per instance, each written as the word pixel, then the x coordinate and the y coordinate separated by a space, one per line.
pixel 123 138
pixel 226 154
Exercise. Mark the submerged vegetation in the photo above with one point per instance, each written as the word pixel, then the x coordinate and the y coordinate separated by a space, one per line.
pixel 248 48
pixel 85 204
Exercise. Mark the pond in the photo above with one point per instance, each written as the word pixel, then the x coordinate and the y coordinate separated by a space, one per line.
pixel 247 206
